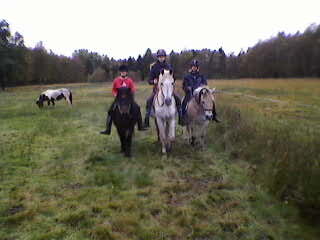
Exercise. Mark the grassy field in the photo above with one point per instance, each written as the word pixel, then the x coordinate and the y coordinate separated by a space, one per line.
pixel 291 98
pixel 60 179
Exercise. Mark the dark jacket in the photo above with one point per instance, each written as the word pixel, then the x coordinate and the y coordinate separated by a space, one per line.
pixel 156 69
pixel 192 81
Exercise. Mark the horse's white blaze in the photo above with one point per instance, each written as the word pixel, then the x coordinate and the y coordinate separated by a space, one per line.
pixel 165 110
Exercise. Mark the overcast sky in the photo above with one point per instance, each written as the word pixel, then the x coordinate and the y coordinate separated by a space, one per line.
pixel 123 28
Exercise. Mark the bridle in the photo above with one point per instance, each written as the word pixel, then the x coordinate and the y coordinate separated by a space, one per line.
pixel 198 100
pixel 159 89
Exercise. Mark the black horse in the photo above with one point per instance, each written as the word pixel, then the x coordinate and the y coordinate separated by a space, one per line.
pixel 124 116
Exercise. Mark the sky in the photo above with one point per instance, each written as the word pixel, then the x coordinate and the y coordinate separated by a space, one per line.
pixel 123 28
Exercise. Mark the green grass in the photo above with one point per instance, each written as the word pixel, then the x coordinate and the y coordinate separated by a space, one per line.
pixel 60 179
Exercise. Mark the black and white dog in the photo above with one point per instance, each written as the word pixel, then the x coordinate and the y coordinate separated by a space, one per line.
pixel 53 95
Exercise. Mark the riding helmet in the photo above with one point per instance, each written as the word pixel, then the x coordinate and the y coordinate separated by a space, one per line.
pixel 161 53
pixel 123 68
pixel 194 63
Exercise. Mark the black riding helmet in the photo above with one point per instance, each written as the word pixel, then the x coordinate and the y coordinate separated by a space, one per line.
pixel 123 68
pixel 194 63
pixel 161 53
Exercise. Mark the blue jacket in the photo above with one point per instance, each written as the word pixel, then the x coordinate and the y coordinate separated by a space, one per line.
pixel 192 81
pixel 156 69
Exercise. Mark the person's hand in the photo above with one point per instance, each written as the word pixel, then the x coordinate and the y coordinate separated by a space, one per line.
pixel 155 81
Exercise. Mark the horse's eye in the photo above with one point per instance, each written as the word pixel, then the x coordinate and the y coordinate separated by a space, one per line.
pixel 161 84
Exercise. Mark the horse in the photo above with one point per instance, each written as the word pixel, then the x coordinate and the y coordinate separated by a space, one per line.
pixel 54 95
pixel 124 118
pixel 199 112
pixel 165 110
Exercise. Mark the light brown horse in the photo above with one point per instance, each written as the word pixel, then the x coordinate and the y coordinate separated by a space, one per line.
pixel 199 113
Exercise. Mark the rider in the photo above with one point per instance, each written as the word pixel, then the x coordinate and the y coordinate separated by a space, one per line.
pixel 192 81
pixel 155 70
pixel 123 81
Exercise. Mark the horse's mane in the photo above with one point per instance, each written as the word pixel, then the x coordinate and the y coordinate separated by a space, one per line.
pixel 127 91
pixel 198 91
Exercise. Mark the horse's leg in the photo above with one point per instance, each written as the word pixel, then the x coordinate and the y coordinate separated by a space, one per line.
pixel 192 135
pixel 67 98
pixel 122 140
pixel 128 141
pixel 171 127
pixel 155 121
pixel 162 133
pixel 52 102
pixel 48 102
pixel 189 132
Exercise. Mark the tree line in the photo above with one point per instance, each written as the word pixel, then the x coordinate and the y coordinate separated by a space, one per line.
pixel 285 56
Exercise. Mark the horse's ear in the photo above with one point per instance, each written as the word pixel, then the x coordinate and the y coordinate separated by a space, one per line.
pixel 171 72
pixel 162 72
pixel 213 90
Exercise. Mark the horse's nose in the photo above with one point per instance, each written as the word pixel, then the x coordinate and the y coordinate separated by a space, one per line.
pixel 168 101
pixel 209 115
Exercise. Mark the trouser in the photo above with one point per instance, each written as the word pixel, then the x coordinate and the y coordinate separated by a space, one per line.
pixel 185 101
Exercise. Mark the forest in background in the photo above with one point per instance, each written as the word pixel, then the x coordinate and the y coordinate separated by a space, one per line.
pixel 282 56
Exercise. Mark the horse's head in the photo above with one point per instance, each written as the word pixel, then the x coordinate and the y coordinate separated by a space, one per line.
pixel 124 99
pixel 40 101
pixel 205 98
pixel 166 86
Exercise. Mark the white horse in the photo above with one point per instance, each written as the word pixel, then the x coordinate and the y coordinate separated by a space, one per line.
pixel 199 112
pixel 165 110
pixel 54 95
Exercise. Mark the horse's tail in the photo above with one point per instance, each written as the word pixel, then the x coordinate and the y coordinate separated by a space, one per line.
pixel 70 97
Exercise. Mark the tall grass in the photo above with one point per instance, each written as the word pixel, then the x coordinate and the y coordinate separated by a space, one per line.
pixel 284 154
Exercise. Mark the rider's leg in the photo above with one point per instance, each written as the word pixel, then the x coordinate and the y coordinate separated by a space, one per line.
pixel 178 105
pixel 109 120
pixel 148 109
pixel 137 115
pixel 185 101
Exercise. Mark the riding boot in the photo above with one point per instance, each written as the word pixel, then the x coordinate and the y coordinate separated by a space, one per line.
pixel 146 121
pixel 214 116
pixel 148 111
pixel 108 126
pixel 140 124
pixel 178 105
pixel 181 121
pixel 139 118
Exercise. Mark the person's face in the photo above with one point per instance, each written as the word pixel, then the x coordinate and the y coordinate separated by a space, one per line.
pixel 194 69
pixel 123 74
pixel 162 58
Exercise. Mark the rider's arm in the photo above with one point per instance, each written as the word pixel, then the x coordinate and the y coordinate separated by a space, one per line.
pixel 152 76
